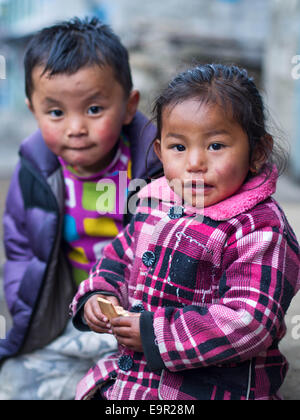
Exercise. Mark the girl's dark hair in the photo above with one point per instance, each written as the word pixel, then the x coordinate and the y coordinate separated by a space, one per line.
pixel 232 89
pixel 69 46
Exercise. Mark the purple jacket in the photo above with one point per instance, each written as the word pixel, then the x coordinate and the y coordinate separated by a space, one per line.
pixel 37 280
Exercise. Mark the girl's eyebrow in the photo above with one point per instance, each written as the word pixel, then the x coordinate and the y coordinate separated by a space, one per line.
pixel 215 132
pixel 209 133
pixel 176 136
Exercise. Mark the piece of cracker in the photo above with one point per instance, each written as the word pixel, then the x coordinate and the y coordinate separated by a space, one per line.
pixel 110 310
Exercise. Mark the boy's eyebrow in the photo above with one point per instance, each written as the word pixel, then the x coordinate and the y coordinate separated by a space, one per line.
pixel 94 96
pixel 51 101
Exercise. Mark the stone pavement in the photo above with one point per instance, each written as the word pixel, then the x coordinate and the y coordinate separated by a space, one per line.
pixel 289 197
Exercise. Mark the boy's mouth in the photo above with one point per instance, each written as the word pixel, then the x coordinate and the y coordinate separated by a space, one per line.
pixel 80 149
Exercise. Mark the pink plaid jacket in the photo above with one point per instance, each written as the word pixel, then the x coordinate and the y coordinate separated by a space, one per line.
pixel 213 290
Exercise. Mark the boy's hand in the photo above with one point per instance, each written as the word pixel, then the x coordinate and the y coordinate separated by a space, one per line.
pixel 95 319
pixel 127 332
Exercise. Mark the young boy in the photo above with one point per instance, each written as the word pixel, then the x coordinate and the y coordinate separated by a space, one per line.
pixel 79 88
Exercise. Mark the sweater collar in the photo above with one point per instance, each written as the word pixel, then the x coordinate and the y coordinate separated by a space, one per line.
pixel 252 192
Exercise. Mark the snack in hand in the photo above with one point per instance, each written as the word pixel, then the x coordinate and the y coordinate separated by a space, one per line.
pixel 110 310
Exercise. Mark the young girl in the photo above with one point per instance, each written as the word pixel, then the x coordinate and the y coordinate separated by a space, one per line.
pixel 209 264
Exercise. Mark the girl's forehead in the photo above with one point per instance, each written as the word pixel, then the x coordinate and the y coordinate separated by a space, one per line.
pixel 193 109
pixel 192 118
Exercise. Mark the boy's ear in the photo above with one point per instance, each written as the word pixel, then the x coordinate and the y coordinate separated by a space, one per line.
pixel 157 148
pixel 29 105
pixel 132 106
pixel 261 153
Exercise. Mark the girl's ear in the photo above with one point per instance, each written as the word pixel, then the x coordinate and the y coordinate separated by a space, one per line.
pixel 261 153
pixel 157 148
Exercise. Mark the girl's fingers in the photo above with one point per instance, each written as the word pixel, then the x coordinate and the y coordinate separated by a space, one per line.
pixel 97 329
pixel 122 321
pixel 122 332
pixel 126 342
pixel 97 311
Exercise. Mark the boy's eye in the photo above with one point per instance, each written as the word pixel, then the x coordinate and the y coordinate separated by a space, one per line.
pixel 56 113
pixel 216 146
pixel 94 110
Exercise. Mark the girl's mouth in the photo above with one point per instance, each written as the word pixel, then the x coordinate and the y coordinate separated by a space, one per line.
pixel 198 185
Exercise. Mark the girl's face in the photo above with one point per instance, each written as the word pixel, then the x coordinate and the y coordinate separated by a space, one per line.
pixel 204 152
pixel 81 115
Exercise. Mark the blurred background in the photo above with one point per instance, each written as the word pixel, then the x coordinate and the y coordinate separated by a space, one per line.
pixel 163 36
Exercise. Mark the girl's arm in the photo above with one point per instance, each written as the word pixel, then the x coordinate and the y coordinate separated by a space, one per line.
pixel 261 277
pixel 109 276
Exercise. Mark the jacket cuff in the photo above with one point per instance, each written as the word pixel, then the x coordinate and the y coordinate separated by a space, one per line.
pixel 78 318
pixel 149 342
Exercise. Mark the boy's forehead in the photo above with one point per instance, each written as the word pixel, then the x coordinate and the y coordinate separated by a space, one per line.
pixel 90 78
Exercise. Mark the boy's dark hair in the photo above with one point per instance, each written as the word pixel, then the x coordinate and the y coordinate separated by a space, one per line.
pixel 232 89
pixel 69 46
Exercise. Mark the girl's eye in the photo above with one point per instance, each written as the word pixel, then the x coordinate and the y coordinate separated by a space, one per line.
pixel 56 113
pixel 179 148
pixel 94 110
pixel 216 146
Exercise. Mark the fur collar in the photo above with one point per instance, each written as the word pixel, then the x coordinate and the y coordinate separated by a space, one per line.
pixel 251 193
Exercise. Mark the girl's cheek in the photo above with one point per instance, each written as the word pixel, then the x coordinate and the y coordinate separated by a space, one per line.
pixel 171 171
pixel 227 170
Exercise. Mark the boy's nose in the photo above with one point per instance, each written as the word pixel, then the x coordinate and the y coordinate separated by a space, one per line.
pixel 76 127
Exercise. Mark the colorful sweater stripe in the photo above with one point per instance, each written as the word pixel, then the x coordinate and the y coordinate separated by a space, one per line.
pixel 94 210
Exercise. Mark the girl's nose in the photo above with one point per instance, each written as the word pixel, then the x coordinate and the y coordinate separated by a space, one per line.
pixel 76 127
pixel 196 162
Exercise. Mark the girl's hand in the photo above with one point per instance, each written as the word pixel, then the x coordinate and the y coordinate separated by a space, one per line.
pixel 127 332
pixel 95 318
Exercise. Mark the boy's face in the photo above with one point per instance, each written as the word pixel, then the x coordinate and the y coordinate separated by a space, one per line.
pixel 81 115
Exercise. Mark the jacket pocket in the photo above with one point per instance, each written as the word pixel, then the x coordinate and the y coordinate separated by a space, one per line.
pixel 211 383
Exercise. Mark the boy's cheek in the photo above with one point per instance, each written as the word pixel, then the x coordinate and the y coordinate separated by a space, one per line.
pixel 108 128
pixel 109 133
pixel 52 139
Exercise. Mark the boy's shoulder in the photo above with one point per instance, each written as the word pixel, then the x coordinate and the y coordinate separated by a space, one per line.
pixel 140 133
